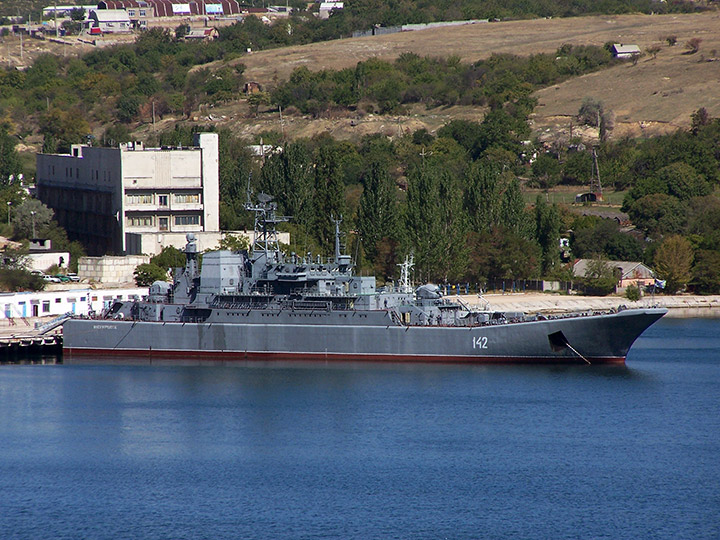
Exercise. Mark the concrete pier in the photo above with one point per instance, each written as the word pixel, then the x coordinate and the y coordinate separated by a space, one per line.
pixel 679 305
pixel 21 340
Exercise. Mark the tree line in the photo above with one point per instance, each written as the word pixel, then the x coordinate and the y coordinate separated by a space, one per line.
pixel 384 87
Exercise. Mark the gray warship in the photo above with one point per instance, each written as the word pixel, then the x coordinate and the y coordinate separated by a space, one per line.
pixel 263 305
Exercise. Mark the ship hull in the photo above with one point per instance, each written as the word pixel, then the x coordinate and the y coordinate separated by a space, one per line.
pixel 597 339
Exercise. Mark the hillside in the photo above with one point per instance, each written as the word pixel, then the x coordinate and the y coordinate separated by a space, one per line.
pixel 658 94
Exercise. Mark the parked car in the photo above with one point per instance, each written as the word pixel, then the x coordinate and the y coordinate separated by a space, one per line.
pixel 51 279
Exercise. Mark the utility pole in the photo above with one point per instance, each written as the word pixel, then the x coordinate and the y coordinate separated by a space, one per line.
pixel 57 30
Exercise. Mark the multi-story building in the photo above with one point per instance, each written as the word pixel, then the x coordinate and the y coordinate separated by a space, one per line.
pixel 134 200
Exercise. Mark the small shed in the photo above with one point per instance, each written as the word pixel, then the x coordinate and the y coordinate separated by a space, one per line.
pixel 202 34
pixel 628 272
pixel 588 197
pixel 620 50
pixel 110 21
pixel 252 87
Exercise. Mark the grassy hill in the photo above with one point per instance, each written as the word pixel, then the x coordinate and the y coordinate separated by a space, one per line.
pixel 658 93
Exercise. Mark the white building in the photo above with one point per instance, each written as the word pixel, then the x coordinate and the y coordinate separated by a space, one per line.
pixel 326 8
pixel 133 200
pixel 21 305
pixel 110 21
pixel 625 51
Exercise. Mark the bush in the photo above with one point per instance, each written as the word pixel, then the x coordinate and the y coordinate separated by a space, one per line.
pixel 632 293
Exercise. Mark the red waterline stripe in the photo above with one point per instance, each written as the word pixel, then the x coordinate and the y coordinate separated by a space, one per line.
pixel 332 357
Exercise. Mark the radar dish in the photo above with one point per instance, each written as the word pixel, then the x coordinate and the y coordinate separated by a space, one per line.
pixel 264 198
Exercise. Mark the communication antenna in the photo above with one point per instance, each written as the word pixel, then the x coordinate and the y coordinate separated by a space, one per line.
pixel 248 191
pixel 595 184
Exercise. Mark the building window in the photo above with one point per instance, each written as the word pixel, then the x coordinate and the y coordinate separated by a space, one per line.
pixel 142 12
pixel 139 198
pixel 140 221
pixel 131 12
pixel 58 300
pixel 163 223
pixel 187 220
pixel 162 200
pixel 46 306
pixel 187 198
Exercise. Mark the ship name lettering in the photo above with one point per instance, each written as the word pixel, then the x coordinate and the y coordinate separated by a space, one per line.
pixel 480 342
pixel 104 327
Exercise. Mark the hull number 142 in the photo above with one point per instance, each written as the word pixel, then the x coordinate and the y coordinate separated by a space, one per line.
pixel 480 342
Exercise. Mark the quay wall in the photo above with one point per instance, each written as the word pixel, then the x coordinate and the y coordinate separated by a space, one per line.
pixel 679 305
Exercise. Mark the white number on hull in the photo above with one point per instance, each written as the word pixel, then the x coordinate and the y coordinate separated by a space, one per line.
pixel 480 342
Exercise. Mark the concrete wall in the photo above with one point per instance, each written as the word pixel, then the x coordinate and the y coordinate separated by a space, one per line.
pixel 209 143
pixel 110 269
pixel 153 243
pixel 43 261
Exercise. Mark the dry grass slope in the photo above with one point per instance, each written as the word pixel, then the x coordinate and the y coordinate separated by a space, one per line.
pixel 656 95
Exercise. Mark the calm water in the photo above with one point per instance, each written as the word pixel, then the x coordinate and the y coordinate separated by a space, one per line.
pixel 368 451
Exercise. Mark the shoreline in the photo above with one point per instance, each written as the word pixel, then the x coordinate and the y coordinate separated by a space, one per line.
pixel 679 306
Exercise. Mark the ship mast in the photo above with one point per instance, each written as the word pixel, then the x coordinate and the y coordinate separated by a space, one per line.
pixel 265 241
pixel 405 269
pixel 337 223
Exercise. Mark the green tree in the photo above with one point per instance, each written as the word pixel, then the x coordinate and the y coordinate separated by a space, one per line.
pixel 30 216
pixel 547 233
pixel 512 208
pixel 483 196
pixel 423 220
pixel 64 127
pixel 233 242
pixel 378 214
pixel 435 223
pixel 599 278
pixel 658 214
pixel 128 107
pixel 288 176
pixel 546 170
pixel 673 262
pixel 168 258
pixel 148 273
pixel 706 272
pixel 9 158
pixel 257 99
pixel 329 196
pixel 604 236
